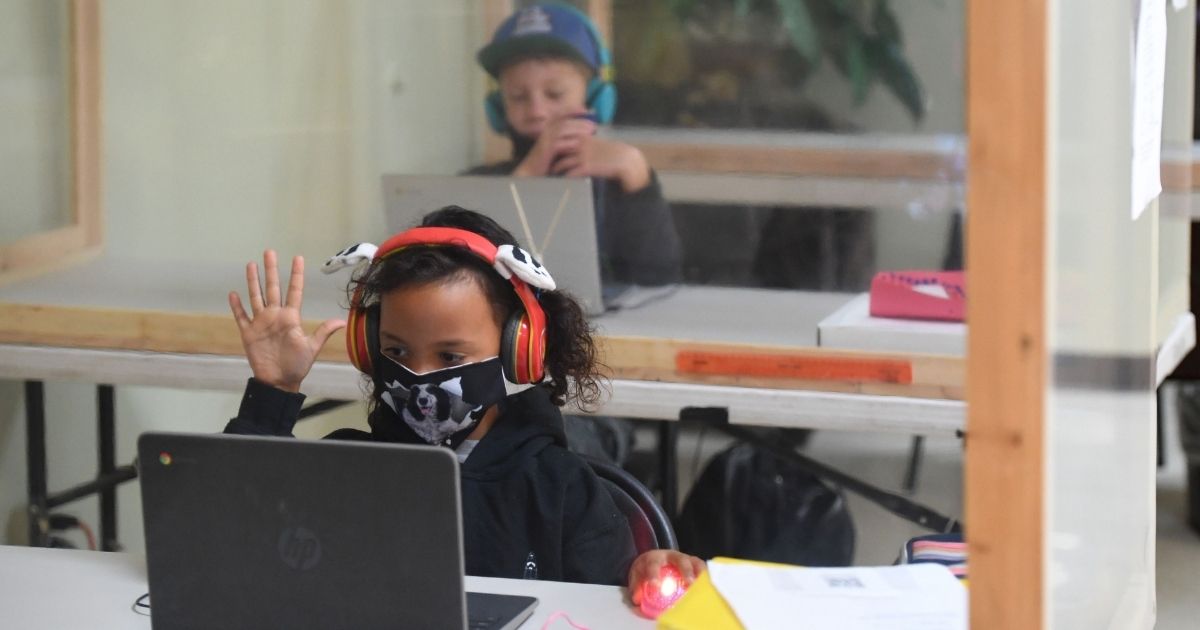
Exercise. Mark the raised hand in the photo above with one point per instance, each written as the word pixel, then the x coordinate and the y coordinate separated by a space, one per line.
pixel 279 352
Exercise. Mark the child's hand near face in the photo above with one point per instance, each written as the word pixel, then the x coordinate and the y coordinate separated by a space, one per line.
pixel 608 159
pixel 279 352
pixel 560 136
pixel 647 568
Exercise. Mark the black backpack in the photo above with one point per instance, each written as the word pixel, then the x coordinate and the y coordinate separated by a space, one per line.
pixel 749 503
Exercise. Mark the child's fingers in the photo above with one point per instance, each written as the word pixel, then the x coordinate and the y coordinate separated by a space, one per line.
pixel 295 294
pixel 652 567
pixel 252 288
pixel 566 163
pixel 324 331
pixel 581 125
pixel 574 128
pixel 566 146
pixel 689 566
pixel 272 268
pixel 239 314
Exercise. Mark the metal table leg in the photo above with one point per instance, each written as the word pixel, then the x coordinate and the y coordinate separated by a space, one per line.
pixel 35 461
pixel 668 469
pixel 106 456
pixel 915 456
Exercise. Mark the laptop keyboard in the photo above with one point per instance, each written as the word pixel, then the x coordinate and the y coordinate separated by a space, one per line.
pixel 488 611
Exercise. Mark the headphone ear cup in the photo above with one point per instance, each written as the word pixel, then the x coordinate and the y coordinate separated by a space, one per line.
pixel 513 342
pixel 602 100
pixel 362 338
pixel 493 108
pixel 371 321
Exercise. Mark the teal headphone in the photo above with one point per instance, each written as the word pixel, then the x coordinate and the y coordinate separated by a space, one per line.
pixel 601 97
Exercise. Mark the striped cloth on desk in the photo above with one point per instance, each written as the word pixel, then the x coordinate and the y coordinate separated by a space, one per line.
pixel 949 550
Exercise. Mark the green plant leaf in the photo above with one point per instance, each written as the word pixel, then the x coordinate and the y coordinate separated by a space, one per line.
pixel 858 68
pixel 843 7
pixel 883 21
pixel 898 76
pixel 683 8
pixel 798 23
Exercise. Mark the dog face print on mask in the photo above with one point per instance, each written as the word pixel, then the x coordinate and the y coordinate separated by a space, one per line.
pixel 442 406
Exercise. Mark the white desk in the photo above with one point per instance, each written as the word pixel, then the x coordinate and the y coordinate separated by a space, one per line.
pixel 851 327
pixel 58 589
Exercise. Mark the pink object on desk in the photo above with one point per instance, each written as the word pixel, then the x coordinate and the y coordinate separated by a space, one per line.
pixel 660 594
pixel 940 295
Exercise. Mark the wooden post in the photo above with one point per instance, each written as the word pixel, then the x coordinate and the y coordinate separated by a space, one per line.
pixel 1007 345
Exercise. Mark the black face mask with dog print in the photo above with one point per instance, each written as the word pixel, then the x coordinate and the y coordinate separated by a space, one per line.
pixel 442 406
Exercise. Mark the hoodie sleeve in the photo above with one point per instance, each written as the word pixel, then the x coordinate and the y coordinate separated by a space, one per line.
pixel 639 242
pixel 266 410
pixel 597 542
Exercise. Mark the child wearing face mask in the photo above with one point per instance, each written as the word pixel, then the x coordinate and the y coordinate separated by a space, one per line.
pixel 436 305
pixel 553 88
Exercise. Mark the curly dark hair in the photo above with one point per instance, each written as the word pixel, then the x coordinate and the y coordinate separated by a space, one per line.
pixel 571 361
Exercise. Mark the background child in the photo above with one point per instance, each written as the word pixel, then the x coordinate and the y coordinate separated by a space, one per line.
pixel 530 507
pixel 552 72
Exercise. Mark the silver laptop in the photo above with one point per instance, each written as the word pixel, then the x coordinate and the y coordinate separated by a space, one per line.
pixel 558 211
pixel 266 532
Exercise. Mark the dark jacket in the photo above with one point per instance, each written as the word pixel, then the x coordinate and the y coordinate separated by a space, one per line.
pixel 636 233
pixel 525 498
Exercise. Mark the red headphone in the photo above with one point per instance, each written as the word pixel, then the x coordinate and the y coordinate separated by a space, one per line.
pixel 522 340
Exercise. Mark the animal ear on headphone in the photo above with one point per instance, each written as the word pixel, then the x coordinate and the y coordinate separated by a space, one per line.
pixel 493 108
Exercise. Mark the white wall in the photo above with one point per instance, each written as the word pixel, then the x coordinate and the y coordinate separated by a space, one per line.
pixel 231 126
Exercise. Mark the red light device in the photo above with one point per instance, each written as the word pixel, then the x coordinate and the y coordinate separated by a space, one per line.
pixel 660 594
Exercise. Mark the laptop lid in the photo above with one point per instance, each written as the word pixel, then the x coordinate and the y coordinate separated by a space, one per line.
pixel 263 532
pixel 558 210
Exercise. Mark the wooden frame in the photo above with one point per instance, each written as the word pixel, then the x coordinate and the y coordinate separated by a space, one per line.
pixel 1007 347
pixel 639 358
pixel 84 236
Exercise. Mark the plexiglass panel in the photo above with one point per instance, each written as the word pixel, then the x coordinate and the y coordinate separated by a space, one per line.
pixel 35 170
pixel 1103 320
pixel 807 84
pixel 236 125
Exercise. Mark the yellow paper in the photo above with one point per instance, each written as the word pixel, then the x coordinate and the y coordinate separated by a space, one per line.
pixel 702 607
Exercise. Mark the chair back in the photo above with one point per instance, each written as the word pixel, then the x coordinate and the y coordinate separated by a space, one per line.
pixel 647 520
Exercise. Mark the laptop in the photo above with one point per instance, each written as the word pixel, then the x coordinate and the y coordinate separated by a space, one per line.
pixel 268 532
pixel 558 211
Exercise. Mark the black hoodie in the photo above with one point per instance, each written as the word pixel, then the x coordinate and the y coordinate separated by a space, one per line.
pixel 636 233
pixel 531 508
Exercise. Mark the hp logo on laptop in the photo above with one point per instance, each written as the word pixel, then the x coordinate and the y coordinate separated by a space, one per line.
pixel 299 548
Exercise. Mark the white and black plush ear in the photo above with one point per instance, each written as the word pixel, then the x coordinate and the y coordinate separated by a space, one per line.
pixel 511 259
pixel 350 257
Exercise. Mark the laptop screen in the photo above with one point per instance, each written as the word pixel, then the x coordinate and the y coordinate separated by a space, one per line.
pixel 553 217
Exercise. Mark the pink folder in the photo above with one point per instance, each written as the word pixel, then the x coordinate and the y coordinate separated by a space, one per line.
pixel 914 294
